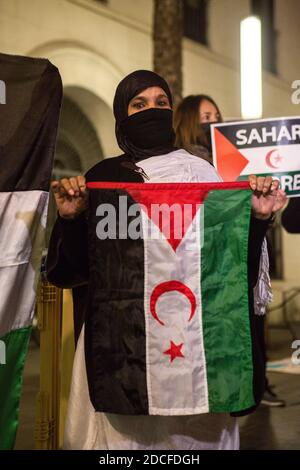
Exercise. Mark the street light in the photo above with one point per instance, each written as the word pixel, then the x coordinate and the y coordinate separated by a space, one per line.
pixel 251 75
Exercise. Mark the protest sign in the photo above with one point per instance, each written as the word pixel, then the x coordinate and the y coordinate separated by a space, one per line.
pixel 260 147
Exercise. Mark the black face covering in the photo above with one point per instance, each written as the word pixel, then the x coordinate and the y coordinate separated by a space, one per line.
pixel 149 130
pixel 145 133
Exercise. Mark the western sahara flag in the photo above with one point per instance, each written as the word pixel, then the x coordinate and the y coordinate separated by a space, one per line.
pixel 28 127
pixel 169 334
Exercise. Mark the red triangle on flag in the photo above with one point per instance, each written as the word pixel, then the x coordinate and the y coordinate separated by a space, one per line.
pixel 181 194
pixel 184 202
pixel 230 161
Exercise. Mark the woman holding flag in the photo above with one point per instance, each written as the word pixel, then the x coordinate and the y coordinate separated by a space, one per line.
pixel 124 394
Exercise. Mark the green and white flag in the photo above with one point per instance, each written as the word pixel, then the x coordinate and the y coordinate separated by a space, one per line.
pixel 30 105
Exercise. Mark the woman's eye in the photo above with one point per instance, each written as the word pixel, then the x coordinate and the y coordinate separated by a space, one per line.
pixel 163 103
pixel 139 105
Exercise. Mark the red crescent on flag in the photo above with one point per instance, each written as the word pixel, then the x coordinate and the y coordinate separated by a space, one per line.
pixel 268 159
pixel 168 287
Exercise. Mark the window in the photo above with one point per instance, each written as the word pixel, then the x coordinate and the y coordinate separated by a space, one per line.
pixel 195 20
pixel 264 9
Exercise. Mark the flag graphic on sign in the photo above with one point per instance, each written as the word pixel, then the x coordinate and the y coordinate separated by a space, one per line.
pixel 260 147
pixel 167 327
pixel 28 128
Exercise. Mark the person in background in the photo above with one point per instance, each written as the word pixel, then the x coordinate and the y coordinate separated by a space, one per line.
pixel 192 122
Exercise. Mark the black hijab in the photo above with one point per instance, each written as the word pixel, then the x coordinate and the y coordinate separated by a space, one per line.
pixel 156 123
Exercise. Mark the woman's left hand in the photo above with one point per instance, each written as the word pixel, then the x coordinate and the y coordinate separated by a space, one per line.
pixel 267 198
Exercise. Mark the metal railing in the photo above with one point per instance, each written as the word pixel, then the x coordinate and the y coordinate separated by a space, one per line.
pixel 55 325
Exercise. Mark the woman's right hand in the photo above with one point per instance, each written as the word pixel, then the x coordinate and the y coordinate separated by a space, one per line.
pixel 71 196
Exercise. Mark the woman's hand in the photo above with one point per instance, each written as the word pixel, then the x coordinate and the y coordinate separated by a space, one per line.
pixel 70 196
pixel 267 198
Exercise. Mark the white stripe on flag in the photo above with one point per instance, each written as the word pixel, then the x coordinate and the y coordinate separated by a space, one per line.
pixel 177 387
pixel 272 159
pixel 22 221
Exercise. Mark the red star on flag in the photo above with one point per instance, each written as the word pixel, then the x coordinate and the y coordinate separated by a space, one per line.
pixel 174 351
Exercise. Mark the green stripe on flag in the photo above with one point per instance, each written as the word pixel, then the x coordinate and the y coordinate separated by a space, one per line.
pixel 224 286
pixel 14 347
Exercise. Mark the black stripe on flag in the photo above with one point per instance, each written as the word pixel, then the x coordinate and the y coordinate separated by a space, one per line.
pixel 115 338
pixel 29 121
pixel 263 133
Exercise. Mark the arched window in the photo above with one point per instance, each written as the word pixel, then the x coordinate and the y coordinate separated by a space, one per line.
pixel 77 148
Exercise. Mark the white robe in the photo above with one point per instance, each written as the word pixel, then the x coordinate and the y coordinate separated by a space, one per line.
pixel 89 430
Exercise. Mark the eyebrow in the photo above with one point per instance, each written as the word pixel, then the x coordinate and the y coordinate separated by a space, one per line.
pixel 143 98
pixel 209 112
pixel 163 95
